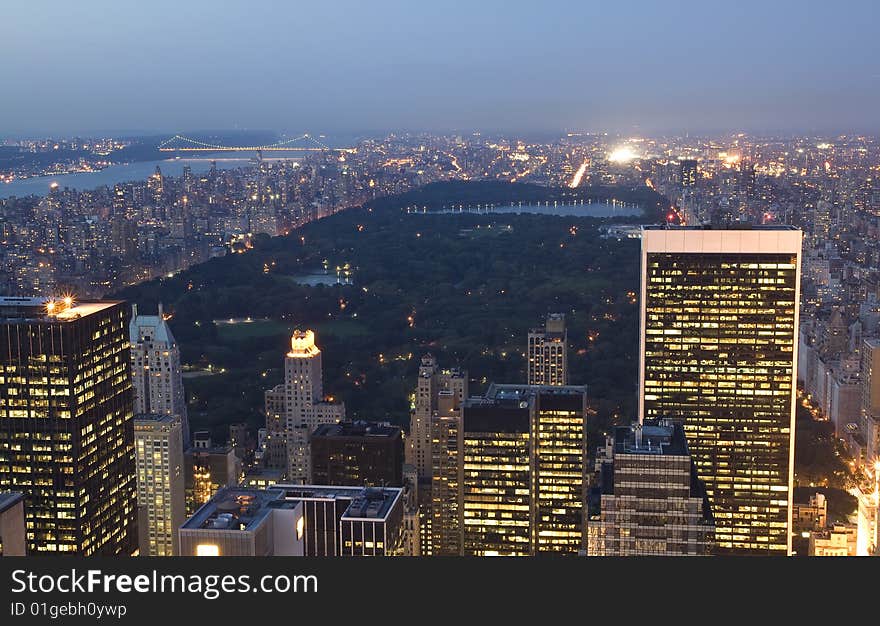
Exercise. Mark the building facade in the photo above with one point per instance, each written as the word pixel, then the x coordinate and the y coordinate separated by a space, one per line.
pixel 357 453
pixel 648 500
pixel 719 319
pixel 522 471
pixel 13 534
pixel 66 432
pixel 548 352
pixel 296 407
pixel 161 497
pixel 156 374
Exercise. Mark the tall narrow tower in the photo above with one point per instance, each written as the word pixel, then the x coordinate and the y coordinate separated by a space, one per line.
pixel 548 352
pixel 155 367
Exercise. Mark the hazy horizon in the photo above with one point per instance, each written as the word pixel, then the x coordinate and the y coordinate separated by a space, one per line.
pixel 498 67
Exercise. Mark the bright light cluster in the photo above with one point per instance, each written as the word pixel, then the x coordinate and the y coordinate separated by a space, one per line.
pixel 623 154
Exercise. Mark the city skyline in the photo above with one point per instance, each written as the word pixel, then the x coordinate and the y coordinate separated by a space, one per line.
pixel 644 69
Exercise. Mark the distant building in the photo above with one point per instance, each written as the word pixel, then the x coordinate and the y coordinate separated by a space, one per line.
pixel 66 437
pixel 157 378
pixel 13 535
pixel 811 515
pixel 357 453
pixel 161 497
pixel 548 352
pixel 209 468
pixel 648 500
pixel 245 522
pixel 839 540
pixel 297 406
pixel 688 172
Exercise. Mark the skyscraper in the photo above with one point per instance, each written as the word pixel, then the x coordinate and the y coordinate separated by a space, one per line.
pixel 158 443
pixel 296 407
pixel 155 366
pixel 548 352
pixel 66 436
pixel 522 452
pixel 207 469
pixel 719 323
pixel 432 380
pixel 648 500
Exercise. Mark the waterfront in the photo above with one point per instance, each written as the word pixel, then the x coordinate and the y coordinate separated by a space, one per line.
pixel 138 171
pixel 566 209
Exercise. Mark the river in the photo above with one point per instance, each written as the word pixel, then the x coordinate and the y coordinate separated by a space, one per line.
pixel 138 171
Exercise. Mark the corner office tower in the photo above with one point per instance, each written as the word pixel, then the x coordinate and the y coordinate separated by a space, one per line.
pixel 719 319
pixel 66 431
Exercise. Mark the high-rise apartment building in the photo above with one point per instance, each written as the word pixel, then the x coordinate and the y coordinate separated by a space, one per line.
pixel 719 319
pixel 155 368
pixel 548 352
pixel 648 500
pixel 297 406
pixel 444 530
pixel 66 436
pixel 158 443
pixel 522 471
pixel 432 380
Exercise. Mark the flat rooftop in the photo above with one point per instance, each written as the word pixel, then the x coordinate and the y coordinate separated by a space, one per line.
pixel 234 509
pixel 357 429
pixel 656 437
pixel 15 309
pixel 732 226
pixel 371 503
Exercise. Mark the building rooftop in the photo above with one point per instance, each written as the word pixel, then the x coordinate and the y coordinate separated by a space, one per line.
pixel 9 499
pixel 234 509
pixel 162 332
pixel 371 503
pixel 652 437
pixel 49 309
pixel 357 429
pixel 732 226
pixel 159 418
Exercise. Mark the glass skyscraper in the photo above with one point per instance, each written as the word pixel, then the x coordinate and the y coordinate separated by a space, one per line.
pixel 719 324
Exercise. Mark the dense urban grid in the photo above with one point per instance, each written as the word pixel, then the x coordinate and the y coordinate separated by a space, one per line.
pixel 759 327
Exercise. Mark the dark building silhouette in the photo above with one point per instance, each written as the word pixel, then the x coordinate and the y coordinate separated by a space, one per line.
pixel 357 453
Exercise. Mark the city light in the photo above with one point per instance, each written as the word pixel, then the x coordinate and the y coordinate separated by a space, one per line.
pixel 623 154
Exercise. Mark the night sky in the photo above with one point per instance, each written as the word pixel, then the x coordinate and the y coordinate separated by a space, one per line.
pixel 340 66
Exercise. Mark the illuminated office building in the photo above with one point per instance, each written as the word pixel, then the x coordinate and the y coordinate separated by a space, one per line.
pixel 158 444
pixel 548 352
pixel 648 500
pixel 297 406
pixel 445 528
pixel 157 378
pixel 522 471
pixel 719 323
pixel 66 436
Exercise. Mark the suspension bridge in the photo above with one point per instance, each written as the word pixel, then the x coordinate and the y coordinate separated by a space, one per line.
pixel 303 143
